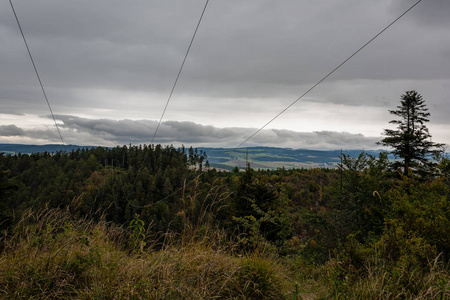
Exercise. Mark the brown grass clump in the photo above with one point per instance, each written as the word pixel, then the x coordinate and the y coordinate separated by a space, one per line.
pixel 381 284
pixel 49 255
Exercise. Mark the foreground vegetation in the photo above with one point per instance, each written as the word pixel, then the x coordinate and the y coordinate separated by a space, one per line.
pixel 50 255
pixel 153 223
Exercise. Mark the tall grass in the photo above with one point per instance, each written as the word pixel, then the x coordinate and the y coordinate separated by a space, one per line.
pixel 379 278
pixel 51 255
pixel 381 282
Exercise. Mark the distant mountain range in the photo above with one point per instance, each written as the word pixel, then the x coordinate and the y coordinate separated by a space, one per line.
pixel 228 158
pixel 27 149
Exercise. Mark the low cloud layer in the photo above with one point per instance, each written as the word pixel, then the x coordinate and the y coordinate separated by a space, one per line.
pixel 106 132
pixel 11 130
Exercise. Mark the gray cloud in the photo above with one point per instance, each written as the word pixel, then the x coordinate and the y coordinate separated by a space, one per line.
pixel 116 62
pixel 111 132
pixel 141 46
pixel 431 12
pixel 11 130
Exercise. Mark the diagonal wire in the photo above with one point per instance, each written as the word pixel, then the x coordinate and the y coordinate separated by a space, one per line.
pixel 170 96
pixel 310 89
pixel 179 72
pixel 329 74
pixel 37 74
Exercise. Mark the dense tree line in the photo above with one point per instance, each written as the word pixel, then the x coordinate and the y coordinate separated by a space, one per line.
pixel 114 181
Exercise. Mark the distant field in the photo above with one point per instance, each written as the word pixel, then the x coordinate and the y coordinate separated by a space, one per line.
pixel 274 158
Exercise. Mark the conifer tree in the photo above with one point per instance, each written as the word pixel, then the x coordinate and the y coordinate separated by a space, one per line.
pixel 411 141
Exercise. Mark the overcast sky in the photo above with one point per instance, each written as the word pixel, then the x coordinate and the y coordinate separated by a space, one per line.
pixel 108 67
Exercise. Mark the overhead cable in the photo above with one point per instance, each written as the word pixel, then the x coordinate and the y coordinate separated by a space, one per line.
pixel 310 89
pixel 171 93
pixel 37 74
pixel 328 75
pixel 179 72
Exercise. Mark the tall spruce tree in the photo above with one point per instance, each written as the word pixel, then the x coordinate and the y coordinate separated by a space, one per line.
pixel 411 141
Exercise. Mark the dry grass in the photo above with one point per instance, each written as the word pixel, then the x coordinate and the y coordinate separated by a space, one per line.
pixel 380 284
pixel 49 255
pixel 331 281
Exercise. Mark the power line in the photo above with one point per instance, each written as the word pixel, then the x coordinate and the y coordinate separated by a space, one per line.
pixel 304 94
pixel 170 95
pixel 328 75
pixel 37 74
pixel 179 72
